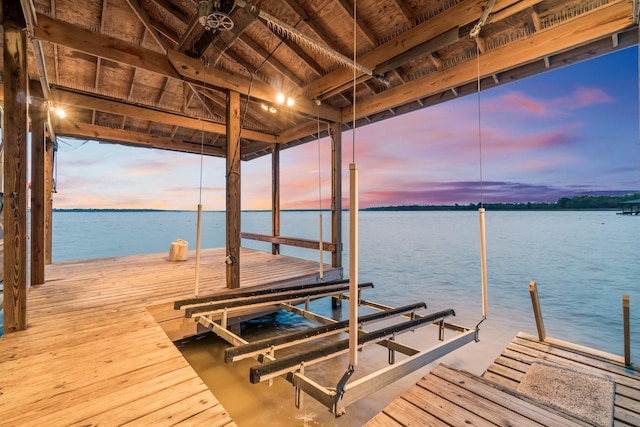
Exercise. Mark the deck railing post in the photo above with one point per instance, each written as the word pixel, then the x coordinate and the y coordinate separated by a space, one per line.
pixel 627 331
pixel 537 312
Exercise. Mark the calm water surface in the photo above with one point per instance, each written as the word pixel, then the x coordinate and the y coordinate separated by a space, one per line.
pixel 583 263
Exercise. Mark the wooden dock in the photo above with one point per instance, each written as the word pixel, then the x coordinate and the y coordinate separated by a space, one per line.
pixel 94 355
pixel 447 396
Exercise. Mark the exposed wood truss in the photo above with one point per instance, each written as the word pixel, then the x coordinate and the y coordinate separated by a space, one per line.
pixel 140 53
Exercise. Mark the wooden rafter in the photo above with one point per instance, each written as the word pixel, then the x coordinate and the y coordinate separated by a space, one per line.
pixel 96 84
pixel 598 23
pixel 462 12
pixel 296 49
pixel 406 12
pixel 100 45
pixel 273 61
pixel 146 20
pixel 306 20
pixel 370 37
pixel 173 10
pixel 68 128
pixel 64 97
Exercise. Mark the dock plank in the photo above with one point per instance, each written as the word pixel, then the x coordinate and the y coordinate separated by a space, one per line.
pixel 94 354
pixel 515 360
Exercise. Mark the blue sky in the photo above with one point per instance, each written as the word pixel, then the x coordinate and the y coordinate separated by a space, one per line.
pixel 565 132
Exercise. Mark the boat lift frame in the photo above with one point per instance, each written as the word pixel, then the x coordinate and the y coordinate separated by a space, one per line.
pixel 214 312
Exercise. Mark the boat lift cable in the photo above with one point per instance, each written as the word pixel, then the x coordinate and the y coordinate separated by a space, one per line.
pixel 199 221
pixel 481 210
pixel 320 242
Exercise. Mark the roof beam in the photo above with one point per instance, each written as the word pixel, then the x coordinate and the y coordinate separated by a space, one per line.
pixel 140 139
pixel 368 34
pixel 169 7
pixel 465 12
pixel 147 22
pixel 597 23
pixel 61 33
pixel 60 96
pixel 273 61
pixel 194 69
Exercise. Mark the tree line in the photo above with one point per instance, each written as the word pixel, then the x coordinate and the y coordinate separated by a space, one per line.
pixel 569 203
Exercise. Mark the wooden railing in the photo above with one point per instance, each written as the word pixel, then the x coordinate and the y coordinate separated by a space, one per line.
pixel 290 241
pixel 542 336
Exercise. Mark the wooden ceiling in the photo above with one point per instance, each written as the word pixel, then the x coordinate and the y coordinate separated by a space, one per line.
pixel 146 72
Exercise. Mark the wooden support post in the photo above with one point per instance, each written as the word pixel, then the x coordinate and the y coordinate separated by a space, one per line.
pixel 627 330
pixel 38 205
pixel 336 193
pixel 48 198
pixel 16 96
pixel 537 313
pixel 233 190
pixel 275 197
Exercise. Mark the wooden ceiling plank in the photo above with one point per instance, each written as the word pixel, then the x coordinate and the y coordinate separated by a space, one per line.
pixel 92 43
pixel 273 61
pixel 368 34
pixel 170 8
pixel 146 20
pixel 102 46
pixel 509 10
pixel 464 12
pixel 194 69
pixel 600 22
pixel 276 123
pixel 194 32
pixel 310 23
pixel 110 106
pixel 296 49
pixel 406 12
pixel 102 133
pixel 201 98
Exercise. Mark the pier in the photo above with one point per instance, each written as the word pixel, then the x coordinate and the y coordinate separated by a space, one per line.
pixel 94 353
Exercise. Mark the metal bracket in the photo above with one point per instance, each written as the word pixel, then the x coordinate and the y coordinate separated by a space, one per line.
pixel 340 390
pixel 483 19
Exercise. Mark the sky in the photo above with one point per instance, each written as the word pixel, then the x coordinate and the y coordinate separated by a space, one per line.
pixel 563 133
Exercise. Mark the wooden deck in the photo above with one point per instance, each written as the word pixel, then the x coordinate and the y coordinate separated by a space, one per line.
pixel 94 354
pixel 448 396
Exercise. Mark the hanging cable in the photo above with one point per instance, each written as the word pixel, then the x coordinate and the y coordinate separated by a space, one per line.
pixel 196 289
pixel 481 210
pixel 320 242
pixel 479 128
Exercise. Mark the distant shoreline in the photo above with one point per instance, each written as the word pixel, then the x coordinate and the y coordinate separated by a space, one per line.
pixel 579 203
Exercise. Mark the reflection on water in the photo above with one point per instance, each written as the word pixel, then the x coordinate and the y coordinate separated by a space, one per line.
pixel 263 405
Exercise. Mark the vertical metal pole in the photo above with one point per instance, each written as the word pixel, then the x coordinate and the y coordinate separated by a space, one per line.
pixel 627 330
pixel 483 262
pixel 353 264
pixel 198 232
pixel 321 249
pixel 537 312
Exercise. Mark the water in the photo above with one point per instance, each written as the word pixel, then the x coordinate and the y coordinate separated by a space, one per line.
pixel 583 262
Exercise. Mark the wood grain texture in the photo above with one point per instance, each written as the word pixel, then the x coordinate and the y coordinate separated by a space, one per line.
pixel 94 354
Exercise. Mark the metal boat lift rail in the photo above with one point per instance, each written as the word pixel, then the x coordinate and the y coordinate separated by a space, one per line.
pixel 291 368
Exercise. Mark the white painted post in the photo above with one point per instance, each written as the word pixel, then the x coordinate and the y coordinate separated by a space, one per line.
pixel 483 262
pixel 353 264
pixel 198 232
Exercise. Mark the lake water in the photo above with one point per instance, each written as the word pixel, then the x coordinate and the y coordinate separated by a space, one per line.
pixel 583 262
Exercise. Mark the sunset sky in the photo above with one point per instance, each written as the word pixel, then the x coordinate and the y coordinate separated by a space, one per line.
pixel 566 132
